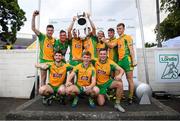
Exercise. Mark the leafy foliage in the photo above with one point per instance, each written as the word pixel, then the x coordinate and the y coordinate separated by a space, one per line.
pixel 12 17
pixel 169 27
pixel 149 45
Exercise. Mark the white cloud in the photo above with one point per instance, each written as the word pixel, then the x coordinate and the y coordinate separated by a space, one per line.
pixel 68 8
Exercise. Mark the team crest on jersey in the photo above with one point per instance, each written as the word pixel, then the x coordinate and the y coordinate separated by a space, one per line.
pixel 49 46
pixel 84 78
pixel 57 75
pixel 77 46
pixel 101 72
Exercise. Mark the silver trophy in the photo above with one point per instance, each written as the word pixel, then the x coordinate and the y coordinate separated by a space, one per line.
pixel 81 19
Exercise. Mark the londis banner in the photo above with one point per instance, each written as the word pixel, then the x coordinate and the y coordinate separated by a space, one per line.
pixel 167 66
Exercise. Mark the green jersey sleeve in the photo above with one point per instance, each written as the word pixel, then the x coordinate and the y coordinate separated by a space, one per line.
pixel 69 67
pixel 56 45
pixel 113 66
pixel 49 66
pixel 41 37
pixel 75 69
pixel 93 73
pixel 93 61
pixel 70 41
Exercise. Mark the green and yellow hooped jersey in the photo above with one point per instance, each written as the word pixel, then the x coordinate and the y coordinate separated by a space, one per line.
pixel 90 44
pixel 124 42
pixel 57 75
pixel 84 75
pixel 99 46
pixel 113 52
pixel 58 45
pixel 46 47
pixel 76 48
pixel 103 71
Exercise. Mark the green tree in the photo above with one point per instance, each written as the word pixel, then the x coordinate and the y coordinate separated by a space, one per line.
pixel 12 17
pixel 149 45
pixel 169 27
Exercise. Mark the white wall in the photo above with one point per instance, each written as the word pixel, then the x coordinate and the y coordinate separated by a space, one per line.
pixel 156 85
pixel 17 65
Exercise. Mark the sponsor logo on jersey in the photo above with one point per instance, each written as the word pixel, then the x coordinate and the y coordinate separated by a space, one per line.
pixel 56 75
pixel 77 45
pixel 49 46
pixel 101 72
pixel 84 78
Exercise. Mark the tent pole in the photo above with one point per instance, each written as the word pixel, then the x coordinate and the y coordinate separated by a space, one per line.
pixel 37 52
pixel 142 40
pixel 158 24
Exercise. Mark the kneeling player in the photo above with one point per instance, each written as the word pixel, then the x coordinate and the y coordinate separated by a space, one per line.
pixel 86 80
pixel 57 77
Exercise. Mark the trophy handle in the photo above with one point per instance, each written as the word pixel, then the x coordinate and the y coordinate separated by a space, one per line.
pixel 81 19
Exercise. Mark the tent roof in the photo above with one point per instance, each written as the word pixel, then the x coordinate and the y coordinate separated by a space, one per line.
pixel 174 42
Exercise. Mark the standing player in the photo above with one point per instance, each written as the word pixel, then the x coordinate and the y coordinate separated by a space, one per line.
pixel 76 45
pixel 126 57
pixel 113 55
pixel 100 43
pixel 61 43
pixel 90 41
pixel 46 42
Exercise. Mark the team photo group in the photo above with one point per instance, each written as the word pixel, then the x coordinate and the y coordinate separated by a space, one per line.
pixel 95 65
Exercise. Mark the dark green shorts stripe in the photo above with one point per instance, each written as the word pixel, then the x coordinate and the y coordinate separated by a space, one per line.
pixel 55 88
pixel 103 88
pixel 126 64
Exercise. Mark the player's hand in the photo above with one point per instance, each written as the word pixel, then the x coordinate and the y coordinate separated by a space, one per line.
pixel 134 63
pixel 74 58
pixel 105 40
pixel 74 18
pixel 68 84
pixel 36 65
pixel 117 78
pixel 36 13
pixel 88 87
pixel 88 15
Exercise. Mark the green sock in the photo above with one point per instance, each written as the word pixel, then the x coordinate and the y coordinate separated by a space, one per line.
pixel 130 96
pixel 117 102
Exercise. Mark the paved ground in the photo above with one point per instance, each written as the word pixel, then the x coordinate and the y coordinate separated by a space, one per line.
pixel 9 104
pixel 83 106
pixel 173 102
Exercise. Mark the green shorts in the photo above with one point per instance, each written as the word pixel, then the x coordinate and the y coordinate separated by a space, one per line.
pixel 74 63
pixel 126 64
pixel 55 88
pixel 81 90
pixel 103 88
pixel 45 61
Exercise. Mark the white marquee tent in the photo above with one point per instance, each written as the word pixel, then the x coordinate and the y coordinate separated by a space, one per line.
pixel 174 42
